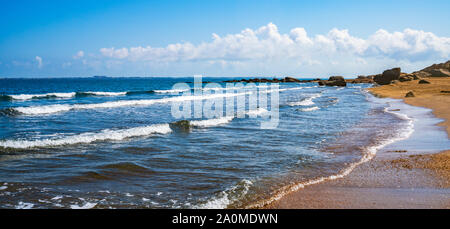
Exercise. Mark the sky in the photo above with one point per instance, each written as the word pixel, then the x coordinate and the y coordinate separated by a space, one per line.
pixel 221 37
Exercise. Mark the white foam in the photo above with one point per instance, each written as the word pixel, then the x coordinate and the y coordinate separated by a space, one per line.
pixel 49 109
pixel 85 206
pixel 36 96
pixel 102 93
pixel 228 196
pixel 89 137
pixel 23 205
pixel 225 119
pixel 170 91
pixel 309 109
pixel 212 122
pixel 369 154
pixel 305 102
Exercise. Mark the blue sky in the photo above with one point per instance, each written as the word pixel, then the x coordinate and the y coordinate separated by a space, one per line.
pixel 82 38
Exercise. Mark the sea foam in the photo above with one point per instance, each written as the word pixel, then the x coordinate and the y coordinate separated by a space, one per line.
pixel 49 109
pixel 104 135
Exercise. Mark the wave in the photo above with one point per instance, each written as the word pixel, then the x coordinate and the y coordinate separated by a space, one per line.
pixel 108 134
pixel 117 135
pixel 309 109
pixel 305 102
pixel 170 91
pixel 368 154
pixel 37 96
pixel 212 122
pixel 187 124
pixel 49 109
pixel 100 93
pixel 227 197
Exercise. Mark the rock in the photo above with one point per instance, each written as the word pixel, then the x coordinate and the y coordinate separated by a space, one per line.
pixel 405 78
pixel 421 74
pixel 290 80
pixel 445 91
pixel 424 82
pixel 409 94
pixel 334 81
pixel 183 125
pixel 336 78
pixel 439 73
pixel 362 79
pixel 388 76
pixel 445 66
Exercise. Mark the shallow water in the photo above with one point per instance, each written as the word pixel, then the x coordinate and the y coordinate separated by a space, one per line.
pixel 86 148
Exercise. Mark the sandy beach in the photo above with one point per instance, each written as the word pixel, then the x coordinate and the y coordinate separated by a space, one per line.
pixel 396 177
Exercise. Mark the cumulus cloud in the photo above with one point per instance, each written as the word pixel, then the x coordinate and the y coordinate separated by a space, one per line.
pixel 268 42
pixel 39 61
pixel 267 50
pixel 80 54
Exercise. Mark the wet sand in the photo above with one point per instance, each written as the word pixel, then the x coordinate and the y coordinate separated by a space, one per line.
pixel 400 176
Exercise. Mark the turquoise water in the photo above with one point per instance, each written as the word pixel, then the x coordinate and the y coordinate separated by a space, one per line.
pixel 106 143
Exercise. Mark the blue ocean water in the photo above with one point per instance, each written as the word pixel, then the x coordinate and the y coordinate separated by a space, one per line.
pixel 112 143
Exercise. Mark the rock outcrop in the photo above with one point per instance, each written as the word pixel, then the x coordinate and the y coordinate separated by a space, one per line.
pixel 388 76
pixel 410 94
pixel 439 73
pixel 362 79
pixel 423 82
pixel 334 81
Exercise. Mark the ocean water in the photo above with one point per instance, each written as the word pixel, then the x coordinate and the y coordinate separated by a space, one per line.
pixel 113 143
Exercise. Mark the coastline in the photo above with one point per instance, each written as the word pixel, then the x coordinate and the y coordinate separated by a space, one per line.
pixel 406 174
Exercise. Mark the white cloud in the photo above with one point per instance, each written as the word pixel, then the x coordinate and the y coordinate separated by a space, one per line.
pixel 39 61
pixel 80 54
pixel 266 49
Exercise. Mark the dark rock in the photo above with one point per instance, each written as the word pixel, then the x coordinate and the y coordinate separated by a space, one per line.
pixel 405 78
pixel 336 78
pixel 333 81
pixel 445 66
pixel 388 76
pixel 183 125
pixel 445 91
pixel 409 94
pixel 424 82
pixel 440 73
pixel 290 80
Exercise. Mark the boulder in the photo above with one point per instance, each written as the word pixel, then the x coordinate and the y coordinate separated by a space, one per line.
pixel 421 74
pixel 333 81
pixel 445 66
pixel 424 82
pixel 439 73
pixel 405 78
pixel 409 94
pixel 290 80
pixel 388 76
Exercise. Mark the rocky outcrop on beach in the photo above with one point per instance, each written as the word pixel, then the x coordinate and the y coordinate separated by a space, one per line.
pixel 334 81
pixel 439 73
pixel 409 94
pixel 424 82
pixel 361 79
pixel 388 76
pixel 435 70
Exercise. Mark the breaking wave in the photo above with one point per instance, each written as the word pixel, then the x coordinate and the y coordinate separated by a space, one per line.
pixel 117 135
pixel 49 109
pixel 305 102
pixel 309 109
pixel 108 134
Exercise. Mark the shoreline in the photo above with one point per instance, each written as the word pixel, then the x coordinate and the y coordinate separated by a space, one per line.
pixel 395 178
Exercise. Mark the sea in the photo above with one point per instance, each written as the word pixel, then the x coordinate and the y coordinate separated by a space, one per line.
pixel 115 143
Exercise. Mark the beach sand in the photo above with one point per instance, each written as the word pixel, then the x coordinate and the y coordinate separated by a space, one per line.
pixel 393 179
